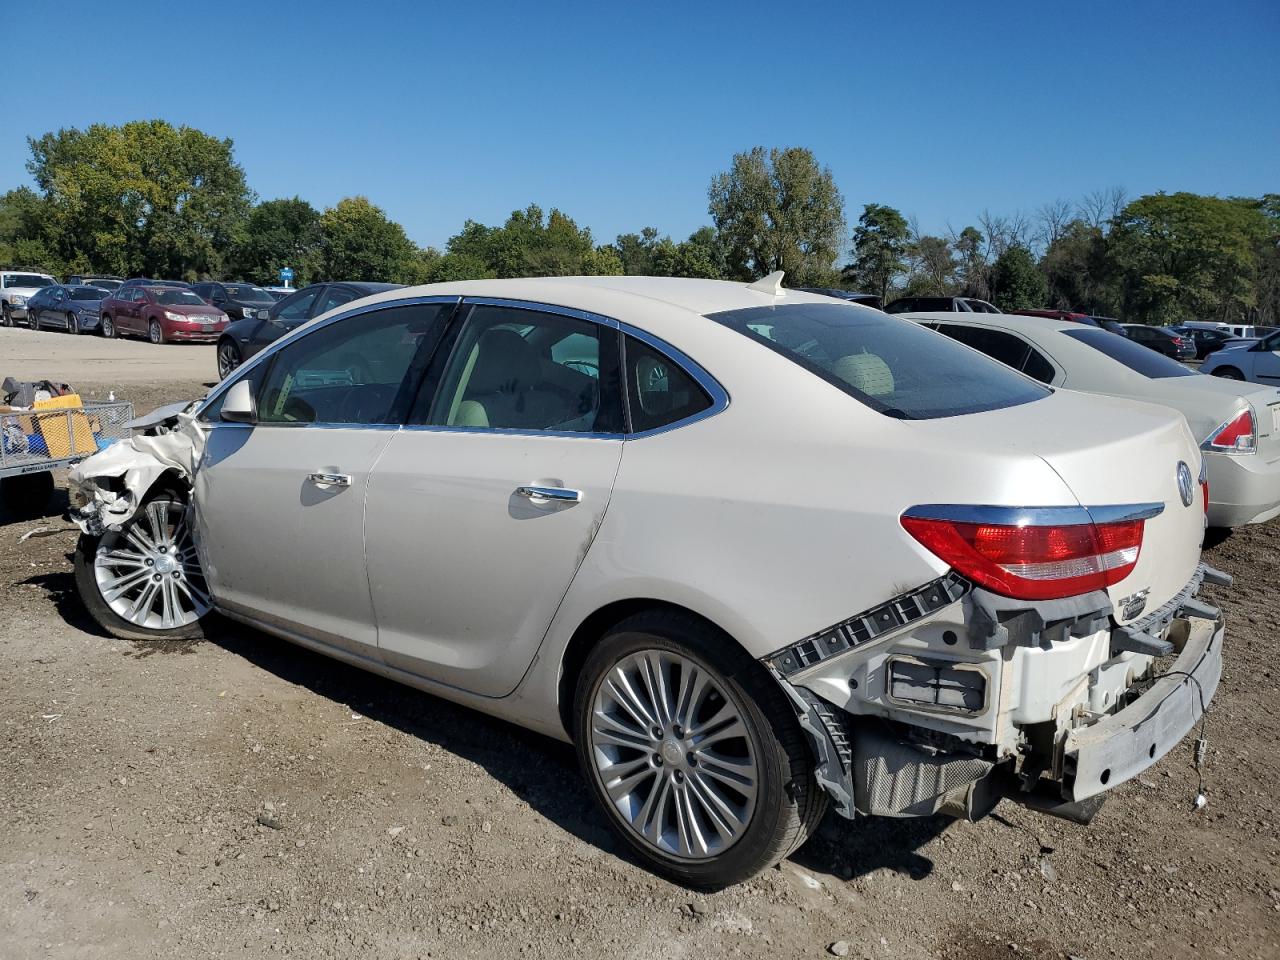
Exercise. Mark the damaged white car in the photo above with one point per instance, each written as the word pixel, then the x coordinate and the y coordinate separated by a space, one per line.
pixel 753 551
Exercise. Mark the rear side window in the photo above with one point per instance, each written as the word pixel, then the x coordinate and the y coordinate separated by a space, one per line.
pixel 896 367
pixel 1135 356
pixel 659 391
pixel 998 345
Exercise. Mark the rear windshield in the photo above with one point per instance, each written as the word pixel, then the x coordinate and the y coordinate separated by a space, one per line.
pixel 248 294
pixel 106 284
pixel 894 366
pixel 177 297
pixel 1139 359
pixel 86 293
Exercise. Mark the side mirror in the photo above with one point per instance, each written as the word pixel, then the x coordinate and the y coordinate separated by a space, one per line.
pixel 238 406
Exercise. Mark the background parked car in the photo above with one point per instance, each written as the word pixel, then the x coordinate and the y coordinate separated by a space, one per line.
pixel 1206 341
pixel 236 300
pixel 279 293
pixel 93 280
pixel 1106 323
pixel 1236 426
pixel 866 299
pixel 949 304
pixel 15 287
pixel 243 338
pixel 160 313
pixel 1257 361
pixel 144 282
pixel 72 308
pixel 1161 340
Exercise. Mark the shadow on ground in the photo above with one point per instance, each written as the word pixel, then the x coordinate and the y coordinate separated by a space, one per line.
pixel 541 771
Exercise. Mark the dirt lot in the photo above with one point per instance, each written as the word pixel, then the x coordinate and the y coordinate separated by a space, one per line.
pixel 242 797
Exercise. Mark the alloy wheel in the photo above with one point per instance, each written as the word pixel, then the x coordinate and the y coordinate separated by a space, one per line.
pixel 154 333
pixel 228 358
pixel 108 328
pixel 148 572
pixel 672 754
pixel 73 324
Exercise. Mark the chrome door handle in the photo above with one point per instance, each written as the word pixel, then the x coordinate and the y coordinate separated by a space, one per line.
pixel 559 494
pixel 330 479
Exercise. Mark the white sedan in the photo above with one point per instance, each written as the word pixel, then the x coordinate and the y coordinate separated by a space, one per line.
pixel 754 551
pixel 1238 424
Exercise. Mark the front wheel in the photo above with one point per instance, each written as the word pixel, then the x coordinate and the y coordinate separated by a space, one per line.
pixel 228 358
pixel 144 582
pixel 6 318
pixel 73 324
pixel 693 752
pixel 33 321
pixel 155 332
pixel 108 328
pixel 1228 373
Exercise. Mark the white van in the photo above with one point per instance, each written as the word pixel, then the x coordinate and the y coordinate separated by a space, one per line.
pixel 1235 329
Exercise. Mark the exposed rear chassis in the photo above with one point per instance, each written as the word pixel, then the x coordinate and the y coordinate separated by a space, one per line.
pixel 874 767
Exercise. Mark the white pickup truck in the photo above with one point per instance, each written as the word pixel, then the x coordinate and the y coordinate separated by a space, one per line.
pixel 15 287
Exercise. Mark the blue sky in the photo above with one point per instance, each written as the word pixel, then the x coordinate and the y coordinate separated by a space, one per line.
pixel 620 114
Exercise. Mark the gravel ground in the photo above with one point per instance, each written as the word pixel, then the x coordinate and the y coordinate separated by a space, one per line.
pixel 242 797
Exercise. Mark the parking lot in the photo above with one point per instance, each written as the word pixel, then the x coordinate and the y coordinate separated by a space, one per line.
pixel 239 796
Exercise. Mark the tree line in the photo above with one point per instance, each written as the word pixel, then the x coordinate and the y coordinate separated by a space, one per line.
pixel 148 198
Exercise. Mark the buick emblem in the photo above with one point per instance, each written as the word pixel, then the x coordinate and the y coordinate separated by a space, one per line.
pixel 1186 486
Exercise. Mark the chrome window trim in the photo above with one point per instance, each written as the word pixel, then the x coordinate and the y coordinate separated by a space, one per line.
pixel 1034 516
pixel 304 329
pixel 719 396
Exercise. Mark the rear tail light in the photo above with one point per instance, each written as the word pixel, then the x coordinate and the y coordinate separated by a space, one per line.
pixel 1034 561
pixel 1237 435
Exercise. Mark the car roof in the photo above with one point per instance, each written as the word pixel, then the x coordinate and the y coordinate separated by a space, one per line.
pixel 364 286
pixel 1017 322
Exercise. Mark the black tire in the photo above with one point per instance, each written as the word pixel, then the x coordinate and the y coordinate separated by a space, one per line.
pixel 229 357
pixel 6 319
pixel 73 324
pixel 33 321
pixel 789 804
pixel 1228 373
pixel 108 327
pixel 100 610
pixel 26 496
pixel 155 332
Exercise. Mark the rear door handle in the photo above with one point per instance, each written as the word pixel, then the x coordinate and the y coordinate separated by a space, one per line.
pixel 559 494
pixel 330 479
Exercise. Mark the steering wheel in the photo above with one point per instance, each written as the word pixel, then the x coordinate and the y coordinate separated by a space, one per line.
pixel 584 366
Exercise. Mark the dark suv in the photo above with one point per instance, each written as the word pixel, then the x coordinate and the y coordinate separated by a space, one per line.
pixel 1162 340
pixel 940 305
pixel 242 339
pixel 236 300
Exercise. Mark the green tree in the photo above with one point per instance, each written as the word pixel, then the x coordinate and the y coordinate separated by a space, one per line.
pixel 1183 256
pixel 880 243
pixel 973 272
pixel 278 233
pixel 933 266
pixel 529 244
pixel 23 232
pixel 359 242
pixel 778 211
pixel 1076 269
pixel 1016 280
pixel 145 197
pixel 636 252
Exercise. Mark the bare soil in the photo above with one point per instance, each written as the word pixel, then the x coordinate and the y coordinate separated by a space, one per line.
pixel 241 797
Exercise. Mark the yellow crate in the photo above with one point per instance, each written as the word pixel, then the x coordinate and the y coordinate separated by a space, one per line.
pixel 67 433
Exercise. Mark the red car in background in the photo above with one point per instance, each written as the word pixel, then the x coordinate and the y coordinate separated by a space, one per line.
pixel 161 314
pixel 1106 323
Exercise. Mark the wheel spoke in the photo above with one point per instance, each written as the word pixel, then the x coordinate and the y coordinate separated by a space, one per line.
pixel 118 587
pixel 611 730
pixel 619 686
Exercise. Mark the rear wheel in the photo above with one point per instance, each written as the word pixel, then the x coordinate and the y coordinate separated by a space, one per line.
pixel 1228 373
pixel 108 327
pixel 155 332
pixel 144 582
pixel 692 751
pixel 228 358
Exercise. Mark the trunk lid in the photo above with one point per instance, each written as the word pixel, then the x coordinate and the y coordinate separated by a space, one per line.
pixel 1111 452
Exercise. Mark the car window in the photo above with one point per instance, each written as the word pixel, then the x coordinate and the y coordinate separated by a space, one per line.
pixel 176 297
pixel 1038 367
pixel 298 306
pixel 1135 356
pixel 87 293
pixel 335 297
pixel 245 293
pixel 514 369
pixel 353 371
pixel 27 280
pixel 1005 347
pixel 894 366
pixel 659 391
pixel 138 295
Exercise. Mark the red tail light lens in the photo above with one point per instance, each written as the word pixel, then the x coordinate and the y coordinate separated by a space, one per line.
pixel 1237 435
pixel 1034 562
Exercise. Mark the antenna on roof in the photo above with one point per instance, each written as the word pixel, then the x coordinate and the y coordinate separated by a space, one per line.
pixel 771 285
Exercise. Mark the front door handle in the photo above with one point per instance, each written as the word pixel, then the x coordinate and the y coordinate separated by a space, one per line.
pixel 558 494
pixel 330 479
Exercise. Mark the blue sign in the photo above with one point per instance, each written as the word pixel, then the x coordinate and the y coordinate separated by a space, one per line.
pixel 286 275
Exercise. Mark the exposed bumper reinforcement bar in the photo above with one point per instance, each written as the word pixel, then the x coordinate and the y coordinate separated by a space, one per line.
pixel 1126 743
